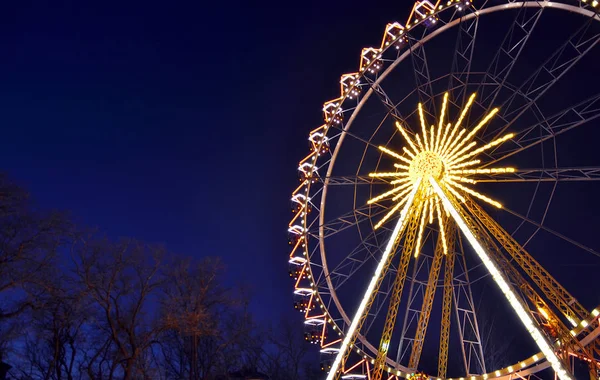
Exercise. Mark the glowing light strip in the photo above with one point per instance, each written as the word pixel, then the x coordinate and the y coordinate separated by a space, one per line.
pixel 454 142
pixel 443 141
pixel 401 180
pixel 401 166
pixel 390 152
pixel 406 137
pixel 459 155
pixel 465 164
pixel 474 193
pixel 403 194
pixel 442 231
pixel 484 148
pixel 388 174
pixel 432 136
pixel 482 123
pixel 423 127
pixel 419 142
pixel 523 315
pixel 483 171
pixel 378 271
pixel 444 105
pixel 466 109
pixel 387 193
pixel 462 179
pixel 390 213
pixel 421 228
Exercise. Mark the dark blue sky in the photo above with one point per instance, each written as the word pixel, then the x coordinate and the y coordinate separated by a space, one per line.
pixel 180 124
pixel 177 124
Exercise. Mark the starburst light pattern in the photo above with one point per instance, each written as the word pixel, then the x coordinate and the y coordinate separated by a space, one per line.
pixel 446 153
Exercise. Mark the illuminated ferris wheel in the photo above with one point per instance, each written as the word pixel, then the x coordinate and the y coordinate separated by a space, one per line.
pixel 449 197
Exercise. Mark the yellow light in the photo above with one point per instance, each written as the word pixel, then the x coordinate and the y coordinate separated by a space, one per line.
pixel 378 271
pixel 444 105
pixel 401 195
pixel 474 193
pixel 544 313
pixel 396 181
pixel 420 233
pixel 390 152
pixel 465 164
pixel 389 174
pixel 387 193
pixel 444 136
pixel 523 315
pixel 423 127
pixel 595 312
pixel 442 231
pixel 390 213
pixel 408 152
pixel 484 148
pixel 457 178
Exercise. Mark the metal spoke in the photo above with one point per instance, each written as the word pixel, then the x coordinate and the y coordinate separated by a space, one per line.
pixel 463 56
pixel 575 174
pixel 559 235
pixel 553 126
pixel 514 41
pixel 555 67
pixel 385 99
pixel 422 77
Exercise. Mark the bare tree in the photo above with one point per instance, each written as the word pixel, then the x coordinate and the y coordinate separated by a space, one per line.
pixel 29 241
pixel 122 281
pixel 55 338
pixel 205 321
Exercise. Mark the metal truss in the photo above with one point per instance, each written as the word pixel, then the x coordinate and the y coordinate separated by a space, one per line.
pixel 554 68
pixel 434 273
pixel 446 311
pixel 551 127
pixel 390 319
pixel 546 175
pixel 570 174
pixel 422 77
pixel 372 296
pixel 510 50
pixel 468 329
pixel 556 293
pixel 385 99
pixel 411 316
pixel 463 56
pixel 538 307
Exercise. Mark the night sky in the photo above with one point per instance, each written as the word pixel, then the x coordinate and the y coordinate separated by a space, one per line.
pixel 178 124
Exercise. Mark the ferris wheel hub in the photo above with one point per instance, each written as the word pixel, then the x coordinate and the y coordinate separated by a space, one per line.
pixel 426 164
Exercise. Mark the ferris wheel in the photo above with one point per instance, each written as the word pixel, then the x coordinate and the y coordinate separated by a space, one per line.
pixel 448 201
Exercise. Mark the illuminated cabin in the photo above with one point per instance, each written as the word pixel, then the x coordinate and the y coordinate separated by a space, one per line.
pixel 302 300
pixel 394 35
pixel 370 60
pixel 425 10
pixel 332 112
pixel 315 140
pixel 300 203
pixel 327 356
pixel 297 271
pixel 350 84
pixel 307 171
pixel 295 234
pixel 313 330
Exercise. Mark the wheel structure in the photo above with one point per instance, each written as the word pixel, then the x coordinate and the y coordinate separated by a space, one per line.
pixel 448 201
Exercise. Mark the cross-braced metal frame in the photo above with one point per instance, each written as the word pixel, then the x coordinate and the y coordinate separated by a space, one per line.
pixel 321 283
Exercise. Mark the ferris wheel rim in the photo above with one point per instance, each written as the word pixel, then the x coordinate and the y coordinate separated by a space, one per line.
pixel 363 100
